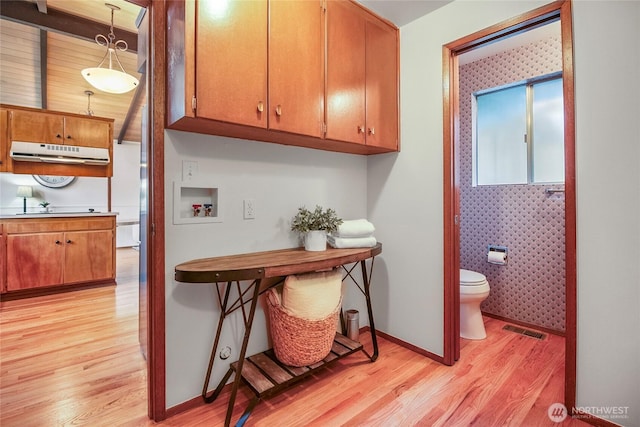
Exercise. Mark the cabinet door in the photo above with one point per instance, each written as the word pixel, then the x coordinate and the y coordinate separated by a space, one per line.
pixel 296 66
pixel 36 127
pixel 87 132
pixel 34 260
pixel 88 256
pixel 345 72
pixel 382 85
pixel 231 61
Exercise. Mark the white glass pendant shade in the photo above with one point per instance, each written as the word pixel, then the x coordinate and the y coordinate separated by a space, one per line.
pixel 109 80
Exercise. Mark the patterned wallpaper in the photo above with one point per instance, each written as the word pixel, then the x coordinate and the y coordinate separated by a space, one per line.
pixel 531 287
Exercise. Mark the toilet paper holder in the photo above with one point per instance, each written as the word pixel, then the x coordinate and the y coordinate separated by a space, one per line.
pixel 497 254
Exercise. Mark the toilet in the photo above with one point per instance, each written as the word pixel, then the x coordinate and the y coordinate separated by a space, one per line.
pixel 474 289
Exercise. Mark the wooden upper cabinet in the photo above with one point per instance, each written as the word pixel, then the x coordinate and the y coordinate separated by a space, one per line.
pixel 345 72
pixel 256 70
pixel 40 127
pixel 29 126
pixel 382 85
pixel 362 77
pixel 296 67
pixel 87 132
pixel 231 61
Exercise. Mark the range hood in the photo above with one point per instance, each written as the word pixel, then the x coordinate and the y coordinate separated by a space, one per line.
pixel 55 153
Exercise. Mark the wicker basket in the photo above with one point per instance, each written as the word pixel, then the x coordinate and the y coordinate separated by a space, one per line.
pixel 300 342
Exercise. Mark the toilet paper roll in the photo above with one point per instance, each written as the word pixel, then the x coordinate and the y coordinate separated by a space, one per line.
pixel 495 257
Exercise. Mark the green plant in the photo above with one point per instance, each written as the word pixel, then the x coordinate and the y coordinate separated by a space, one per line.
pixel 44 204
pixel 318 219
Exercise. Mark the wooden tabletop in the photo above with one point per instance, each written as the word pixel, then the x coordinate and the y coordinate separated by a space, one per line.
pixel 268 264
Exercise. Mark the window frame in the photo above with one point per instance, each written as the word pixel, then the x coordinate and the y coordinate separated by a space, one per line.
pixel 529 137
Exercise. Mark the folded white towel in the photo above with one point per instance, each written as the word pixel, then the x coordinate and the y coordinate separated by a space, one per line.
pixel 352 242
pixel 355 228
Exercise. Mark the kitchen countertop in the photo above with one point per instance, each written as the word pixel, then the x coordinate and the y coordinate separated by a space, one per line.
pixel 41 215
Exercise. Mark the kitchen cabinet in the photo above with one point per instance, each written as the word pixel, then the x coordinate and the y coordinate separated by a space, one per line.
pixel 255 70
pixel 55 252
pixel 50 127
pixel 30 126
pixel 362 77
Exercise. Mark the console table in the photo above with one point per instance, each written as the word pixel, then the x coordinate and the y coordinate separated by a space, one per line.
pixel 263 373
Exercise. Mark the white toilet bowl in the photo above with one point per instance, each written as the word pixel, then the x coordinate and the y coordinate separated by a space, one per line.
pixel 474 289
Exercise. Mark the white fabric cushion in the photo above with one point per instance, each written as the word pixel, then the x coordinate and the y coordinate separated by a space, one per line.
pixel 312 296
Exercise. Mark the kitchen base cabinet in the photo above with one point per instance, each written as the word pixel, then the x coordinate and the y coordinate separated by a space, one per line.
pixel 56 252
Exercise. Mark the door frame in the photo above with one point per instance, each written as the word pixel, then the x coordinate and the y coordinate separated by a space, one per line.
pixel 559 10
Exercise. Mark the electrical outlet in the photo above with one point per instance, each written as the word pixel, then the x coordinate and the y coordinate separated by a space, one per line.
pixel 249 209
pixel 189 170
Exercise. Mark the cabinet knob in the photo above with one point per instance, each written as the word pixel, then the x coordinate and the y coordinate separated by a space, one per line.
pixel 68 136
pixel 68 240
pixel 360 129
pixel 57 242
pixel 278 110
pixel 58 135
pixel 260 106
pixel 372 131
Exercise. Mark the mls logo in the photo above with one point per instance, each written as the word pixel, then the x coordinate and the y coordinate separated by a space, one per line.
pixel 557 412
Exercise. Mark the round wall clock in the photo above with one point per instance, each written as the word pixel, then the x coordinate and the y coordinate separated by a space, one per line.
pixel 53 181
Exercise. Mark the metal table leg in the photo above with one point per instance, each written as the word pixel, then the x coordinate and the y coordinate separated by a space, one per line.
pixel 367 294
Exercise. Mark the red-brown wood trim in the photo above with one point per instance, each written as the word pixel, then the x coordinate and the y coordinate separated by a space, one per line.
pixel 406 345
pixel 56 289
pixel 571 280
pixel 451 314
pixel 559 9
pixel 156 233
pixel 191 403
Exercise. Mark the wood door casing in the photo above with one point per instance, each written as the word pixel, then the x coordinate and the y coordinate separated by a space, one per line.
pixel 296 67
pixel 382 85
pixel 345 93
pixel 88 256
pixel 34 260
pixel 231 62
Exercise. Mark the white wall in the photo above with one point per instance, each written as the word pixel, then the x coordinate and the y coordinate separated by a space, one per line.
pixel 279 179
pixel 405 192
pixel 607 60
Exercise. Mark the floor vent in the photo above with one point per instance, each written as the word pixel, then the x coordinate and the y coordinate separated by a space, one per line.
pixel 527 332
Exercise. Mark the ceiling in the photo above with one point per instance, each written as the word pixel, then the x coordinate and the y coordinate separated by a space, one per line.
pixel 401 12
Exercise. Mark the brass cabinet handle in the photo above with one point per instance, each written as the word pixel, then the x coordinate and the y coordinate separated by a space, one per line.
pixel 278 110
pixel 260 106
pixel 360 129
pixel 372 131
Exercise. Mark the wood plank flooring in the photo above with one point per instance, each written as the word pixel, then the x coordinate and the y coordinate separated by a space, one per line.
pixel 73 359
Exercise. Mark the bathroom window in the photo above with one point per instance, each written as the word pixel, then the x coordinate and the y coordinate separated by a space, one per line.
pixel 519 133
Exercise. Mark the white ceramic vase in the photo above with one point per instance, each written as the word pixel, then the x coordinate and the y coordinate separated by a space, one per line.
pixel 315 240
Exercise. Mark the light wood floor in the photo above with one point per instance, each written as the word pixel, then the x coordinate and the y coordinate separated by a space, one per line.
pixel 73 359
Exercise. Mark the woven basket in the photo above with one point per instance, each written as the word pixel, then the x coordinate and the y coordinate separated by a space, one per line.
pixel 300 342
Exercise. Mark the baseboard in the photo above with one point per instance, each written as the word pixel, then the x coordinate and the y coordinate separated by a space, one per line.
pixel 526 325
pixel 407 345
pixel 186 406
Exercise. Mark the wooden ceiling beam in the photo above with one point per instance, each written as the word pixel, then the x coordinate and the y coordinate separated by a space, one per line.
pixel 57 21
pixel 133 108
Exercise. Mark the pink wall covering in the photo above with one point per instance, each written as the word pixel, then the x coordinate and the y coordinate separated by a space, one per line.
pixel 531 287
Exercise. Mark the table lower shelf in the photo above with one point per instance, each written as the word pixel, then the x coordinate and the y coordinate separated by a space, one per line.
pixel 267 376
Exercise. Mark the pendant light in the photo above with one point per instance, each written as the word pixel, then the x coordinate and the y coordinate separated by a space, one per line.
pixel 89 110
pixel 109 79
